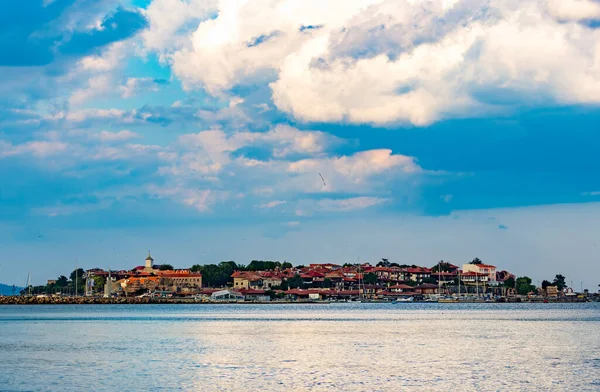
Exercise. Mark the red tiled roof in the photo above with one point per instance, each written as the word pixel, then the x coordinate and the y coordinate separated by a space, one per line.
pixel 485 266
pixel 180 275
pixel 401 286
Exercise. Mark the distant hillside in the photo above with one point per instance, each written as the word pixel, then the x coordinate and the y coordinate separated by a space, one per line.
pixel 8 290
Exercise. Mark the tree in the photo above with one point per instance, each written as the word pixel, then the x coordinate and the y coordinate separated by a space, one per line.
pixel 286 265
pixel 284 285
pixel 99 283
pixel 326 283
pixel 166 267
pixel 476 260
pixel 510 282
pixel 295 282
pixel 559 282
pixel 261 265
pixel 442 266
pixel 78 273
pixel 370 278
pixel 545 284
pixel 62 281
pixel 383 263
pixel 524 285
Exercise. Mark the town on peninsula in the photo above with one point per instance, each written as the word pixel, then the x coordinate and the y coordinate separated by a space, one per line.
pixel 281 282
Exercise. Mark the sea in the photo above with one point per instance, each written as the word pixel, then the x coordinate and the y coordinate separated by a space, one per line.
pixel 301 347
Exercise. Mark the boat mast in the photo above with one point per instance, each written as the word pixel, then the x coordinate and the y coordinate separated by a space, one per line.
pixel 29 282
pixel 440 277
pixel 459 284
pixel 76 277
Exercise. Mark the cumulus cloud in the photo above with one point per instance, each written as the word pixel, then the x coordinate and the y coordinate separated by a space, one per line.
pixel 354 203
pixel 273 204
pixel 168 18
pixel 398 61
pixel 120 136
pixel 135 86
pixel 36 148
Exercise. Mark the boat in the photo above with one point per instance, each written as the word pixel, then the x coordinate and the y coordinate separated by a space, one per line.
pixel 448 299
pixel 409 299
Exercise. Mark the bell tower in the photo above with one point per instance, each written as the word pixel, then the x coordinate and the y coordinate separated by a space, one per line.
pixel 149 263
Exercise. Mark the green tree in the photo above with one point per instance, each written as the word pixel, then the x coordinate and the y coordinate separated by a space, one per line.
pixel 559 282
pixel 510 282
pixel 99 282
pixel 524 285
pixel 326 283
pixel 216 275
pixel 261 265
pixel 62 281
pixel 295 282
pixel 77 273
pixel 286 265
pixel 545 284
pixel 370 278
pixel 166 267
pixel 442 266
pixel 476 260
pixel 383 263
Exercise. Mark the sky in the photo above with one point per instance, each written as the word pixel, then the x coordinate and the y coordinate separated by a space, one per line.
pixel 298 130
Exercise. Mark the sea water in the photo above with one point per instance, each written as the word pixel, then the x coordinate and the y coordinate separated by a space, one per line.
pixel 341 347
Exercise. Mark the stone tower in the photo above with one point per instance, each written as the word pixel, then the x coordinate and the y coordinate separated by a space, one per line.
pixel 149 263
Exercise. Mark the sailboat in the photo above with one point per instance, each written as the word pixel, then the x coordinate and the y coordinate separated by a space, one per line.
pixel 29 283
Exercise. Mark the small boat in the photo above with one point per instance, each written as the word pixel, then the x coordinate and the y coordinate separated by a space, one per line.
pixel 409 299
pixel 448 300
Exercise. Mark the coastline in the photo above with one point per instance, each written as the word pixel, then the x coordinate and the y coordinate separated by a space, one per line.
pixel 24 300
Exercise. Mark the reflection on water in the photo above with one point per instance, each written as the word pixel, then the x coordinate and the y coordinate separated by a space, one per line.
pixel 350 347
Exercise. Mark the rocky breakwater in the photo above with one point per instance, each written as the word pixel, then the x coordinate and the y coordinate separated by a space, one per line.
pixel 63 300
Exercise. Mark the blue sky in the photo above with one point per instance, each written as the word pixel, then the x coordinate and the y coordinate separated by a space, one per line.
pixel 201 130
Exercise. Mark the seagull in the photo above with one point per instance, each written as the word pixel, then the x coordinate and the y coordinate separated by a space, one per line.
pixel 322 179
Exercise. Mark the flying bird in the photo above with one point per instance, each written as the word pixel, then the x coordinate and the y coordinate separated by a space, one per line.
pixel 322 179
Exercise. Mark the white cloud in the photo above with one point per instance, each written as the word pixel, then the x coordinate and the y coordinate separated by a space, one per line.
pixel 37 148
pixel 355 203
pixel 395 61
pixel 273 204
pixel 134 86
pixel 120 136
pixel 574 9
pixel 167 18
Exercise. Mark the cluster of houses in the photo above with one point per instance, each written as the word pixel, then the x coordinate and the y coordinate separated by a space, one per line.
pixel 315 281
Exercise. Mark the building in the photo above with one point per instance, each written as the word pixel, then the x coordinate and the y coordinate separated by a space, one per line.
pixel 149 267
pixel 417 274
pixel 487 269
pixel 226 296
pixel 551 291
pixel 181 281
pixel 246 280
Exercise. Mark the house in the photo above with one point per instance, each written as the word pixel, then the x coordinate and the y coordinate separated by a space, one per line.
pixel 270 279
pixel 399 288
pixel 181 281
pixel 474 278
pixel 426 288
pixel 551 291
pixel 487 269
pixel 246 280
pixel 417 274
